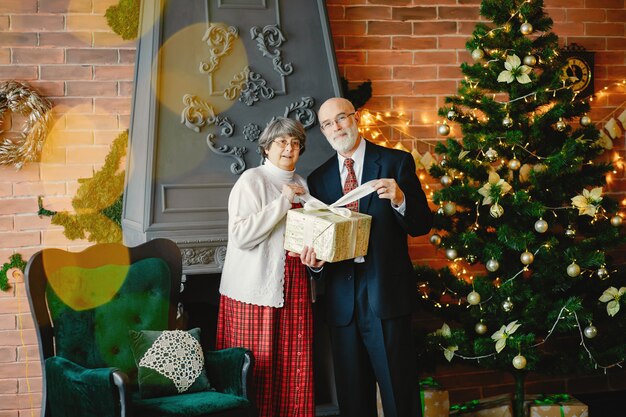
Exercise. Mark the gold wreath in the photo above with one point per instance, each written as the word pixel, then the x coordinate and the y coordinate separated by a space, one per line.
pixel 20 98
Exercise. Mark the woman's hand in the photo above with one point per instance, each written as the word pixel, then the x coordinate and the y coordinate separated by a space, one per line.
pixel 308 258
pixel 291 190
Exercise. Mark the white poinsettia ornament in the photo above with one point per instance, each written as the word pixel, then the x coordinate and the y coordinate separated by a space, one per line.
pixel 611 296
pixel 514 71
pixel 501 335
pixel 588 202
pixel 494 188
pixel 444 331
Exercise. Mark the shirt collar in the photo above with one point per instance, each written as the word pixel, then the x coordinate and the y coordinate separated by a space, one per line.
pixel 358 156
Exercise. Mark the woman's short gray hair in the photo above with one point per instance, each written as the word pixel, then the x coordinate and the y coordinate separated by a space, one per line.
pixel 279 127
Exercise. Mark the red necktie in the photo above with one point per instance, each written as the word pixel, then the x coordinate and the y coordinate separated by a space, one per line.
pixel 351 183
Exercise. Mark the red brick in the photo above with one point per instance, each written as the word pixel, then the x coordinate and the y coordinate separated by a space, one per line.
pixel 87 155
pixel 616 15
pixel 91 56
pixel 452 42
pixel 431 57
pixel 8 386
pixel 450 71
pixel 345 27
pixel 91 122
pixel 127 56
pixel 605 4
pixel 65 39
pixel 615 43
pixel 557 14
pixel 390 87
pixel 56 237
pixel 335 12
pixel 101 6
pixel 114 72
pixel 389 28
pixel 17 239
pixel 66 72
pixel 8 321
pixel 125 88
pixel 18 39
pixel 109 40
pixel 49 88
pixel 31 384
pixel 37 56
pixel 367 13
pixel 411 72
pixel 617 71
pixel 414 13
pixel 604 29
pixel 410 43
pixel 36 23
pixel 586 15
pixel 73 138
pixel 124 122
pixel 58 173
pixel 7 354
pixel 5 56
pixel 351 57
pixel 112 105
pixel 390 58
pixel 408 103
pixel 6 224
pixel 458 13
pixel 18 6
pixel 367 42
pixel 86 22
pixel 362 73
pixel 32 222
pixel 64 6
pixel 591 44
pixel 390 2
pixel 6 189
pixel 91 88
pixel 429 28
pixel 565 3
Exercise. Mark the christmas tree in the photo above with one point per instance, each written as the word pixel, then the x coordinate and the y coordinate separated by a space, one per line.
pixel 524 207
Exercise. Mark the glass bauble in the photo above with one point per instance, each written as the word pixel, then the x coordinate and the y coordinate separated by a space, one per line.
pixel 530 60
pixel 473 298
pixel 507 305
pixel 590 331
pixel 451 253
pixel 541 226
pixel 480 328
pixel 519 362
pixel 616 220
pixel 478 54
pixel 492 265
pixel 526 28
pixel 573 270
pixel 527 258
pixel 435 239
pixel 444 130
pixel 496 210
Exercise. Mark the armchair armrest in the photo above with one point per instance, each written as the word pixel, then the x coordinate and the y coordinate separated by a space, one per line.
pixel 75 391
pixel 230 370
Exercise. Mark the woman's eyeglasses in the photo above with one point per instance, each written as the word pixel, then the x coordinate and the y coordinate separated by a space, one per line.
pixel 282 143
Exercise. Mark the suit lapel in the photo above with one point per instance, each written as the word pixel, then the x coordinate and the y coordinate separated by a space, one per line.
pixel 332 181
pixel 371 171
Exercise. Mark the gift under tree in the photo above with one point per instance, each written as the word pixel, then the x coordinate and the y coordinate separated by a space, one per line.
pixel 525 206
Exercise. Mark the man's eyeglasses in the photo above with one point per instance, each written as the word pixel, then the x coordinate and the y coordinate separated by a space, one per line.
pixel 282 143
pixel 341 120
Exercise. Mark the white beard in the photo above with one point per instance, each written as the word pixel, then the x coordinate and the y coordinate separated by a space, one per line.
pixel 344 144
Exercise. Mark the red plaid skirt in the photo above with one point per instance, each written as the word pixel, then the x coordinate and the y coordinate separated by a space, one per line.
pixel 281 340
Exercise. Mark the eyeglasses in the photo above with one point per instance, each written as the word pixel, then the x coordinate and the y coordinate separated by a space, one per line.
pixel 282 143
pixel 341 120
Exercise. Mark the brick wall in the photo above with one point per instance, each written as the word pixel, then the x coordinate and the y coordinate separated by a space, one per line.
pixel 410 49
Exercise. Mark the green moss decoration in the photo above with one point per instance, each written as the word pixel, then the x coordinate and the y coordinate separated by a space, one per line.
pixel 98 202
pixel 15 261
pixel 359 95
pixel 124 18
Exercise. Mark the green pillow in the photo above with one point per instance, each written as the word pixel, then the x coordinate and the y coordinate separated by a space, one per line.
pixel 169 362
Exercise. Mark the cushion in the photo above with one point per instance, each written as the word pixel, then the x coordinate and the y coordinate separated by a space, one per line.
pixel 169 362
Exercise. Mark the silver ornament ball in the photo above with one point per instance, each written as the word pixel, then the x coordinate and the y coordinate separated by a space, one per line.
pixel 519 362
pixel 541 226
pixel 570 232
pixel 616 220
pixel 444 161
pixel 530 60
pixel 473 298
pixel 446 180
pixel 451 253
pixel 451 115
pixel 560 125
pixel 526 28
pixel 480 328
pixel 478 54
pixel 496 210
pixel 444 129
pixel 449 208
pixel 514 164
pixel 440 211
pixel 590 331
pixel 527 258
pixel 491 155
pixel 507 305
pixel 492 265
pixel 573 270
pixel 585 120
pixel 602 273
pixel 507 122
pixel 435 239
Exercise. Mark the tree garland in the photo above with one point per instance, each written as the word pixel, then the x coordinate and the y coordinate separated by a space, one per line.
pixel 20 98
pixel 15 263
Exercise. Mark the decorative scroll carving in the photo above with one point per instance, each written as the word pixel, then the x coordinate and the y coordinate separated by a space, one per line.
pixel 228 127
pixel 251 132
pixel 303 112
pixel 220 40
pixel 235 152
pixel 220 256
pixel 236 84
pixel 271 37
pixel 254 87
pixel 197 113
pixel 198 256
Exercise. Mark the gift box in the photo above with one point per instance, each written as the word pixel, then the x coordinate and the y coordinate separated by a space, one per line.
pixel 499 406
pixel 435 403
pixel 556 405
pixel 333 237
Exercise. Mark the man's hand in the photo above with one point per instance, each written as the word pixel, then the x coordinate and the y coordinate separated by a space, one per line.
pixel 388 188
pixel 308 258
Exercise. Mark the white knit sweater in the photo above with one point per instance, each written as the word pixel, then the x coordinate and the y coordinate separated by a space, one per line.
pixel 255 259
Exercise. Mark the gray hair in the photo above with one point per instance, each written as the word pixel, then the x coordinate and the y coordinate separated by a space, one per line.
pixel 278 127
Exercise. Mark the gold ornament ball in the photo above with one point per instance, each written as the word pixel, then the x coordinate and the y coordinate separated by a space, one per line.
pixel 585 120
pixel 478 54
pixel 541 226
pixel 590 331
pixel 507 122
pixel 514 164
pixel 446 180
pixel 602 273
pixel 473 298
pixel 616 220
pixel 573 270
pixel 449 208
pixel 451 115
pixel 492 265
pixel 561 125
pixel 530 60
pixel 526 28
pixel 507 305
pixel 496 210
pixel 480 328
pixel 451 253
pixel 444 129
pixel 491 155
pixel 527 258
pixel 519 362
pixel 435 239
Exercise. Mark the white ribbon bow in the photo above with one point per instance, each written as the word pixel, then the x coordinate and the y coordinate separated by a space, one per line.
pixel 361 191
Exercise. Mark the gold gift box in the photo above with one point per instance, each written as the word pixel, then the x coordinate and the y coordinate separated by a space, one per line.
pixel 334 238
pixel 435 403
pixel 568 408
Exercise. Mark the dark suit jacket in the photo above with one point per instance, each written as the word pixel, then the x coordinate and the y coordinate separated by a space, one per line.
pixel 388 269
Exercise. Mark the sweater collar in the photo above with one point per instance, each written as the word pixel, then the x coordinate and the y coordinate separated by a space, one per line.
pixel 277 173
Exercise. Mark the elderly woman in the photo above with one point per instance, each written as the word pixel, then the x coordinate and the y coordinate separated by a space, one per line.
pixel 265 295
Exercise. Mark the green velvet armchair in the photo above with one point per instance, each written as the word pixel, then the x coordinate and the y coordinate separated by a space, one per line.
pixel 88 305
